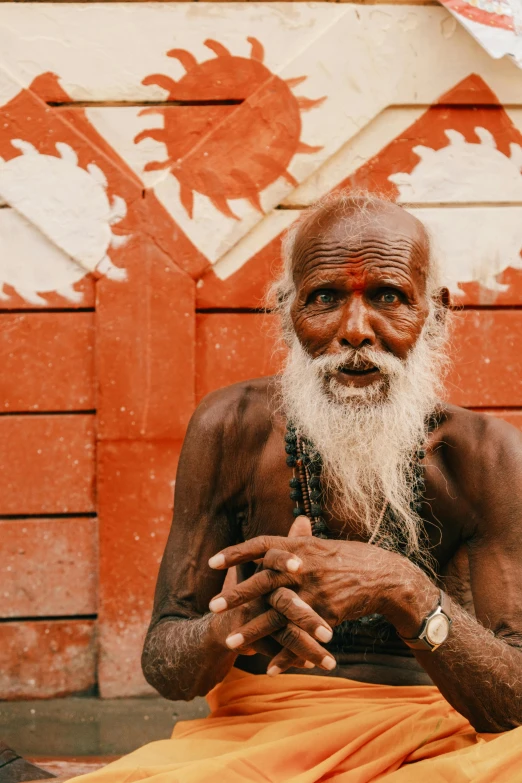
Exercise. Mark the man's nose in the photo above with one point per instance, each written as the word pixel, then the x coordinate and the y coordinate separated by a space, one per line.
pixel 356 329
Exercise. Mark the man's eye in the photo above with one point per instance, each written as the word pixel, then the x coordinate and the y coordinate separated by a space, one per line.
pixel 389 297
pixel 324 297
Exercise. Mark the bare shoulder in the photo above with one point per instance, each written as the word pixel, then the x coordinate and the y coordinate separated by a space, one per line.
pixel 242 413
pixel 481 454
pixel 475 434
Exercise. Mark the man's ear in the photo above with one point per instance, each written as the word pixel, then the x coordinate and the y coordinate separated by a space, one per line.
pixel 443 301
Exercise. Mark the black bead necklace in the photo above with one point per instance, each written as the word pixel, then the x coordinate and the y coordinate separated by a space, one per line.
pixel 305 484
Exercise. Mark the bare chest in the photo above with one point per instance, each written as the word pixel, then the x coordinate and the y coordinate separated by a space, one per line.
pixel 267 508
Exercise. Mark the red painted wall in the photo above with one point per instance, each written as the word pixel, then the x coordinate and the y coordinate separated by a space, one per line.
pixel 96 395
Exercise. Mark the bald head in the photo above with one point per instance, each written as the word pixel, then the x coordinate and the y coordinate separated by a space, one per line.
pixel 356 223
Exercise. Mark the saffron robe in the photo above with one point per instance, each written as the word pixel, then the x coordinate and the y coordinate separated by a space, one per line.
pixel 300 728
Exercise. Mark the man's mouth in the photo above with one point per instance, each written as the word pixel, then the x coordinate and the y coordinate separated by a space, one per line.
pixel 358 371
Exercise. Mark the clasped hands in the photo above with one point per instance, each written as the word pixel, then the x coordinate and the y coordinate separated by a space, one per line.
pixel 304 588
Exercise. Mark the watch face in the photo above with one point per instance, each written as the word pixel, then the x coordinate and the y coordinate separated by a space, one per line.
pixel 437 629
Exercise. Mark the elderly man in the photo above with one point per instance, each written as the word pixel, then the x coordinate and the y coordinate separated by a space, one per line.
pixel 375 629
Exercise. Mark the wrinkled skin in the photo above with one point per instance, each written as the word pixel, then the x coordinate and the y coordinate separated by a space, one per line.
pixel 232 487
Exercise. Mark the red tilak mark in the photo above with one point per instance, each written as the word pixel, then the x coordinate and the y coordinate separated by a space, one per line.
pixel 357 279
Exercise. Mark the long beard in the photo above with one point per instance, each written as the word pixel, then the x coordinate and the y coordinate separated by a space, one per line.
pixel 368 437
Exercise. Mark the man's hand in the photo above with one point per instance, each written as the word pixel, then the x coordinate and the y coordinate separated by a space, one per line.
pixel 338 579
pixel 266 629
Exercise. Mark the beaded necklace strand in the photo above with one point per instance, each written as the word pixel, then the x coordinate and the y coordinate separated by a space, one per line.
pixel 305 484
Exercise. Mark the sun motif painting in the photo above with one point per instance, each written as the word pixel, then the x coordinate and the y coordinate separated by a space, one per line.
pixel 72 212
pixel 248 150
pixel 469 175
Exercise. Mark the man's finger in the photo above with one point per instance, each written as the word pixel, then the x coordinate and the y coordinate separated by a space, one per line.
pixel 255 548
pixel 266 646
pixel 257 586
pixel 304 646
pixel 263 625
pixel 285 660
pixel 291 661
pixel 230 579
pixel 249 550
pixel 301 526
pixel 279 560
pixel 291 606
pixel 298 663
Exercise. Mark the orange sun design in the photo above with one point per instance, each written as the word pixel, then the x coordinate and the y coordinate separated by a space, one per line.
pixel 239 156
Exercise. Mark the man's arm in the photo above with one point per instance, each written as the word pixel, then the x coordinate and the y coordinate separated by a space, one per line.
pixel 185 658
pixel 185 653
pixel 479 671
pixel 479 668
pixel 182 655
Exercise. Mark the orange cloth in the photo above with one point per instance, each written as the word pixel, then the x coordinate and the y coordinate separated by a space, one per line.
pixel 299 728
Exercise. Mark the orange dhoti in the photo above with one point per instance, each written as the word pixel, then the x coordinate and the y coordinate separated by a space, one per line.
pixel 298 728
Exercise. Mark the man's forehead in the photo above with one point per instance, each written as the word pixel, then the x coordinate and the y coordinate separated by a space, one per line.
pixel 385 231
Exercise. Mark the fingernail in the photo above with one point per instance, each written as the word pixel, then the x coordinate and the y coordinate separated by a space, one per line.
pixel 299 602
pixel 328 662
pixel 217 561
pixel 217 605
pixel 323 634
pixel 273 670
pixel 235 640
pixel 309 665
pixel 293 565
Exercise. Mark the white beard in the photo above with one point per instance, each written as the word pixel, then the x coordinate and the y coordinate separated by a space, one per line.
pixel 367 436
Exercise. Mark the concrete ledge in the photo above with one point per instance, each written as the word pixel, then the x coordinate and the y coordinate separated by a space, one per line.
pixel 91 727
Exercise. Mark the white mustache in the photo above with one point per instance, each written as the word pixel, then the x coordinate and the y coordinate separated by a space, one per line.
pixel 359 359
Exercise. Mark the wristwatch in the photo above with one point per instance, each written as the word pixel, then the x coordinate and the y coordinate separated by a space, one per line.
pixel 435 628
